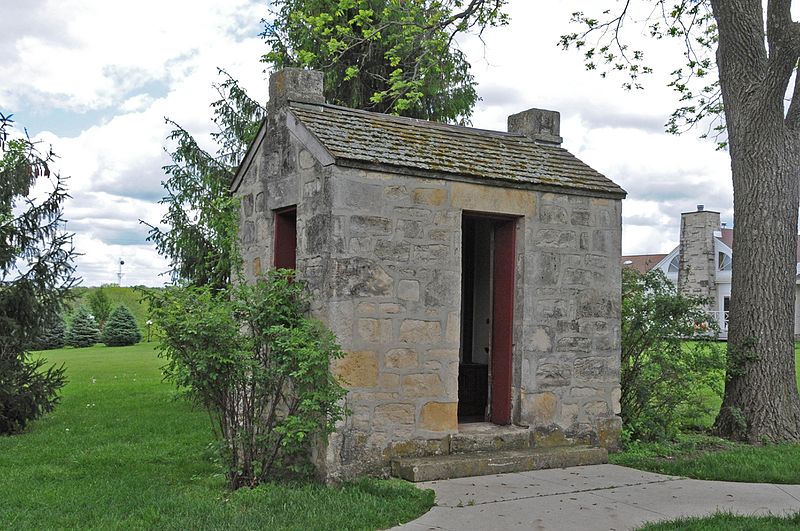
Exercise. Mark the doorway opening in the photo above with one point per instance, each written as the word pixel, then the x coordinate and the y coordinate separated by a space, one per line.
pixel 487 288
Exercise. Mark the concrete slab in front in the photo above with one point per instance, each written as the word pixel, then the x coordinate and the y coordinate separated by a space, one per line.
pixel 591 497
pixel 498 462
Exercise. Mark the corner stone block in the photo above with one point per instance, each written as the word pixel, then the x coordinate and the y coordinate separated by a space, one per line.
pixel 357 369
pixel 608 431
pixel 543 406
pixel 439 416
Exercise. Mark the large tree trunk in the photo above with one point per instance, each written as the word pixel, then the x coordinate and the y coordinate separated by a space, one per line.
pixel 761 397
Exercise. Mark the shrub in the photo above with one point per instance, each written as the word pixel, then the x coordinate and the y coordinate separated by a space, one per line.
pixel 53 334
pixel 100 305
pixel 260 367
pixel 662 371
pixel 82 331
pixel 121 329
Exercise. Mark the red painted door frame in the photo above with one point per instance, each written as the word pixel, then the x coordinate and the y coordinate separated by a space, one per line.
pixel 502 319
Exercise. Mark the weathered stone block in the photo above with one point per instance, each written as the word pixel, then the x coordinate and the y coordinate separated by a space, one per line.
pixel 429 196
pixel 357 369
pixel 358 277
pixel 418 331
pixel 541 340
pixel 375 330
pixel 443 290
pixel 581 217
pixel 410 228
pixel 401 358
pixel 562 239
pixel 616 395
pixel 553 374
pixel 608 431
pixel 395 192
pixel 596 369
pixel 542 407
pixel 574 344
pixel 408 290
pixel 387 417
pixel 553 214
pixel 431 253
pixel 439 416
pixel 392 251
pixel 247 205
pixel 366 225
pixel 422 385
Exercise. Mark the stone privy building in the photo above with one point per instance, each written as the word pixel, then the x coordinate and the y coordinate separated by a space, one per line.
pixel 470 275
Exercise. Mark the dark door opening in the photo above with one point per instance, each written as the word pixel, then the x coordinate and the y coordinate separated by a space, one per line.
pixel 484 375
pixel 286 238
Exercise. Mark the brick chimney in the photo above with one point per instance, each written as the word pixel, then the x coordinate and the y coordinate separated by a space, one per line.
pixel 540 125
pixel 698 272
pixel 295 84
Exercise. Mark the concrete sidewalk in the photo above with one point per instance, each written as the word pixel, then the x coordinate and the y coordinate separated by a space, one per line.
pixel 591 497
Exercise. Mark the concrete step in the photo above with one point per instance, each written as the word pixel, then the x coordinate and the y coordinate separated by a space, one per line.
pixel 495 462
pixel 484 437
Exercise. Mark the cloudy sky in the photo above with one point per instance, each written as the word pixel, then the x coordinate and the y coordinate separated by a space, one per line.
pixel 95 79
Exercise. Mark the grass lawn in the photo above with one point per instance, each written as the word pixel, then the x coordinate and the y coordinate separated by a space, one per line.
pixel 728 522
pixel 701 456
pixel 121 452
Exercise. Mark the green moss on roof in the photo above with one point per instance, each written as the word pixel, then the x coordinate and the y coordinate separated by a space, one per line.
pixel 368 137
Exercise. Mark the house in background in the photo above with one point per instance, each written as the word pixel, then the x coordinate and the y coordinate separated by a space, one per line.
pixel 701 264
pixel 472 277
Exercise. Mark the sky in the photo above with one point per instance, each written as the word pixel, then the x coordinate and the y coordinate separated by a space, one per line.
pixel 96 79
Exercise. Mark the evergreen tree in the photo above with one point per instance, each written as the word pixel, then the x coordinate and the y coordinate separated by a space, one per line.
pixel 36 270
pixel 53 334
pixel 121 329
pixel 83 331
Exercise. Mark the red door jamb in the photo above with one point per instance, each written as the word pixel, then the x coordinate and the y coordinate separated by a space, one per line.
pixel 502 320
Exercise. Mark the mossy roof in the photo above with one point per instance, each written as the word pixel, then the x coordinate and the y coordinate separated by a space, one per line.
pixel 380 139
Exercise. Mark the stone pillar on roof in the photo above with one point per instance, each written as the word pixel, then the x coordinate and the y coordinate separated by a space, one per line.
pixel 540 125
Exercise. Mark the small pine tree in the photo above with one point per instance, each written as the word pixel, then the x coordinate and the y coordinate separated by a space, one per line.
pixel 121 329
pixel 83 331
pixel 53 335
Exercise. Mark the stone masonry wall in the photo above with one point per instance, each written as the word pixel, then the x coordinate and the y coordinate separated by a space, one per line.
pixel 697 271
pixel 570 366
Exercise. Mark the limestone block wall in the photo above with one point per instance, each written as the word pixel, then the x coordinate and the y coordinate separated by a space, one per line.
pixel 570 360
pixel 697 271
pixel 381 253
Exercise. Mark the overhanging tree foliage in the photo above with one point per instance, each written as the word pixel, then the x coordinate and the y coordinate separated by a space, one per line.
pixel 755 55
pixel 36 270
pixel 383 55
pixel 198 232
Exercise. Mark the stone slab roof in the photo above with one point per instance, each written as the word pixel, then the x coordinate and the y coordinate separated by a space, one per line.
pixel 373 138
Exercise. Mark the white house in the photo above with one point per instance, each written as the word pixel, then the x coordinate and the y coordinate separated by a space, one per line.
pixel 701 263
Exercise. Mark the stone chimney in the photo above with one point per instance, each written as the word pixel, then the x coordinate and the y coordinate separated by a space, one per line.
pixel 295 84
pixel 537 124
pixel 698 272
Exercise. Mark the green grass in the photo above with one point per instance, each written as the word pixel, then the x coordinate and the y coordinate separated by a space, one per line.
pixel 705 457
pixel 728 522
pixel 121 452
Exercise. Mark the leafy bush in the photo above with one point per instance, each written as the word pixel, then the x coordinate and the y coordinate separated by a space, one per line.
pixel 121 329
pixel 260 367
pixel 100 305
pixel 662 371
pixel 82 331
pixel 53 334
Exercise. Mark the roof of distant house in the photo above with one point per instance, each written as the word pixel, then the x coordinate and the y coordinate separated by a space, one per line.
pixel 642 262
pixel 368 139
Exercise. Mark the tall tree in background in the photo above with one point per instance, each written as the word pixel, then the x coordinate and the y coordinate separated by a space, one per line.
pixel 384 55
pixel 754 58
pixel 198 232
pixel 36 270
